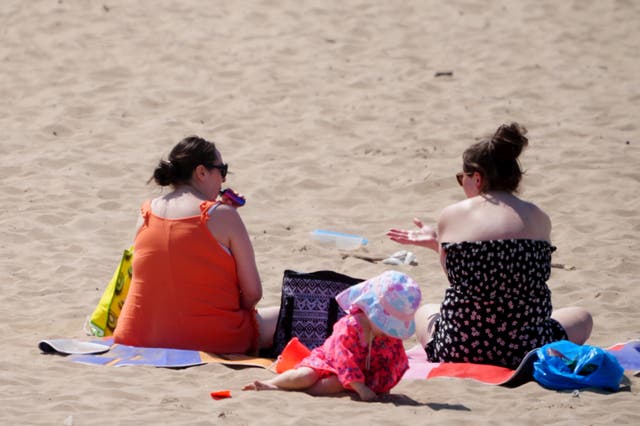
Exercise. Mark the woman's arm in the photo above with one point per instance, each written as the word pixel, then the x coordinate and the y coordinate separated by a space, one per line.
pixel 227 227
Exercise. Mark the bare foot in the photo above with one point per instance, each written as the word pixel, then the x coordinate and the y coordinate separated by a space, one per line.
pixel 260 386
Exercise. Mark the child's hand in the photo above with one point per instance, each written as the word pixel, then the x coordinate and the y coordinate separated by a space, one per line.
pixel 367 395
pixel 363 391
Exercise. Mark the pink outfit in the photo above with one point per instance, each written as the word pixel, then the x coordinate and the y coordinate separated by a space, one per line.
pixel 345 355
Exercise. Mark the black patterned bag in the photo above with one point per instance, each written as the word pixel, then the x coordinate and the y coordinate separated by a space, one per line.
pixel 308 308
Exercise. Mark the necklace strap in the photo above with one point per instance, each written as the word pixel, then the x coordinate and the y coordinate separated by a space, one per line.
pixel 367 364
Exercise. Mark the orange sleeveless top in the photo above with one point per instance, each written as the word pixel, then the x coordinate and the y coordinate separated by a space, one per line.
pixel 184 291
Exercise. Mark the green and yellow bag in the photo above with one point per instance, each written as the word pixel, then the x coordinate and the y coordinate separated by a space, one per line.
pixel 104 318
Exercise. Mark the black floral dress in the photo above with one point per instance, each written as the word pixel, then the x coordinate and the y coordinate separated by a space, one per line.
pixel 498 306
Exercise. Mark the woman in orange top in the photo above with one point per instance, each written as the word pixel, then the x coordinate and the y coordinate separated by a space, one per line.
pixel 195 282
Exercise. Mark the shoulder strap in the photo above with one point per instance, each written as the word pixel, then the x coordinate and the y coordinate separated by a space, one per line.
pixel 206 210
pixel 145 211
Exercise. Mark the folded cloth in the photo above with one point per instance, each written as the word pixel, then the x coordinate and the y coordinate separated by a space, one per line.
pixel 627 354
pixel 72 347
pixel 402 257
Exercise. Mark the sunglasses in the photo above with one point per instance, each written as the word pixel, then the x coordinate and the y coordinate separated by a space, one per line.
pixel 224 168
pixel 460 174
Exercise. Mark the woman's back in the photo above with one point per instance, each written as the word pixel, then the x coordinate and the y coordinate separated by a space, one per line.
pixel 184 292
pixel 195 281
pixel 493 216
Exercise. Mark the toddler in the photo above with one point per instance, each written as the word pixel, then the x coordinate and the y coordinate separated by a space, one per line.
pixel 364 353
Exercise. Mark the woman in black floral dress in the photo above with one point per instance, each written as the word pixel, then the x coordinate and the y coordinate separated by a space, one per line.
pixel 495 249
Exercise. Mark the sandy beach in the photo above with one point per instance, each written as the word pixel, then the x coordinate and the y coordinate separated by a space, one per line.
pixel 343 115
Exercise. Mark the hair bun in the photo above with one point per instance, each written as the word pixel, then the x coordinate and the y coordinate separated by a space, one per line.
pixel 183 159
pixel 164 174
pixel 509 141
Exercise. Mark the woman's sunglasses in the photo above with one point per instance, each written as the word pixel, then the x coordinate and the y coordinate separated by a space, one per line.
pixel 224 168
pixel 459 176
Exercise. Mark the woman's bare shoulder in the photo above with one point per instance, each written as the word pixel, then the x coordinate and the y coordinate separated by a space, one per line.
pixel 540 222
pixel 451 217
pixel 484 218
pixel 226 212
pixel 458 207
pixel 226 224
pixel 457 210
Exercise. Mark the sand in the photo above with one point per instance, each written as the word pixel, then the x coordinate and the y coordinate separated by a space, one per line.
pixel 331 116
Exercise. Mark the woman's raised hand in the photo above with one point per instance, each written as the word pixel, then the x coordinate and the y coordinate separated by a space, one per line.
pixel 424 236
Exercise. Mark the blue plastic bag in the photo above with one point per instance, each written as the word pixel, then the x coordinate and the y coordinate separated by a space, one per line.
pixel 565 365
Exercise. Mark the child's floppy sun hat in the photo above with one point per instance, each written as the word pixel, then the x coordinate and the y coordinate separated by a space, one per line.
pixel 389 300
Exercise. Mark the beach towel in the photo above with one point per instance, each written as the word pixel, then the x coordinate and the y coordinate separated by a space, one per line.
pixel 627 354
pixel 421 368
pixel 105 352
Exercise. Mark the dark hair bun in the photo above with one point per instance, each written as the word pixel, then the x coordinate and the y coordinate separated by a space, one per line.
pixel 164 173
pixel 496 158
pixel 509 141
pixel 188 154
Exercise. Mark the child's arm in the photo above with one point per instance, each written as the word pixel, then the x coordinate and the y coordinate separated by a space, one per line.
pixel 363 391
